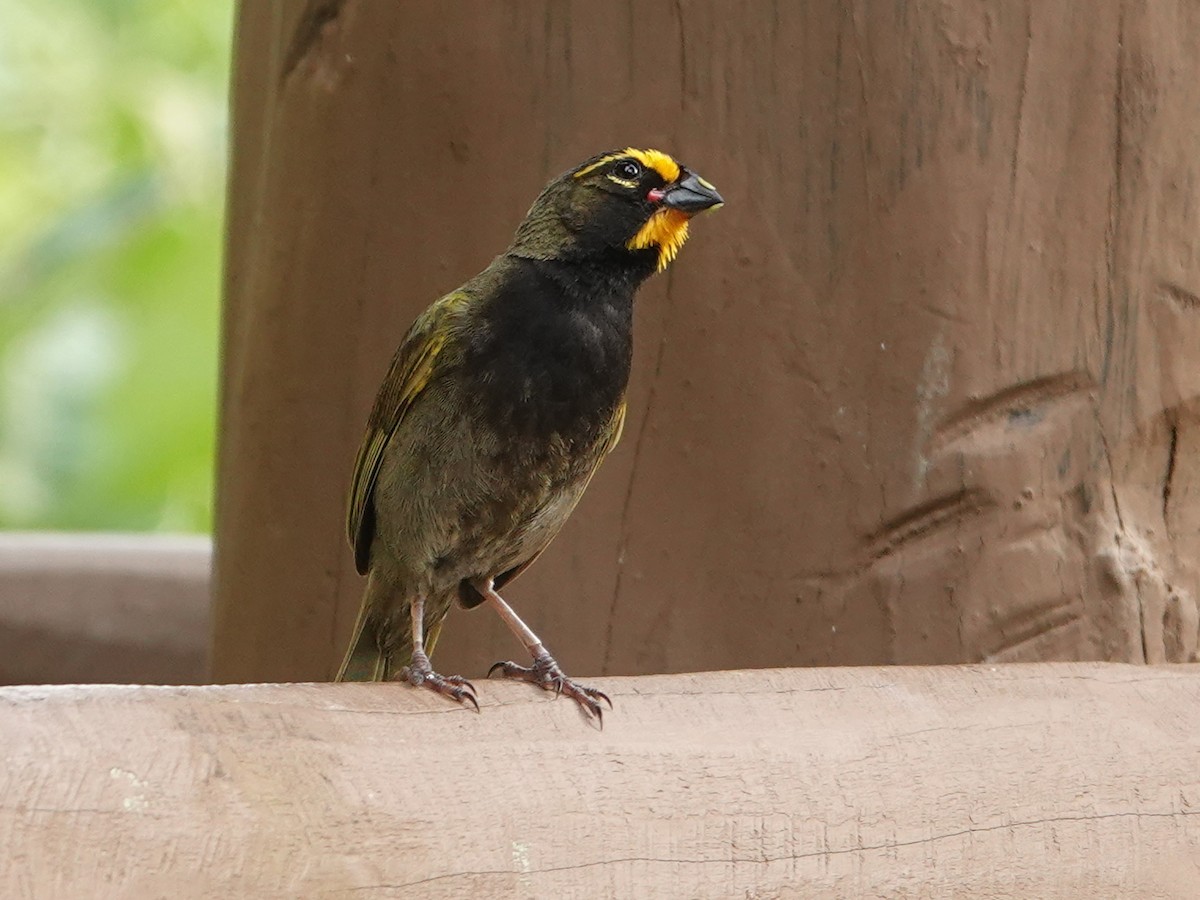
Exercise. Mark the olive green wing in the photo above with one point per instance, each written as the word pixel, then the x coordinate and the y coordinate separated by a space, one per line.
pixel 412 367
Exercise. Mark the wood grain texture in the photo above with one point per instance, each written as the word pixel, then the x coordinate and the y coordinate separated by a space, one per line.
pixel 926 390
pixel 1048 781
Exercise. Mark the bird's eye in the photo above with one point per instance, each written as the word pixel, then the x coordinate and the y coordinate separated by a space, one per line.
pixel 627 169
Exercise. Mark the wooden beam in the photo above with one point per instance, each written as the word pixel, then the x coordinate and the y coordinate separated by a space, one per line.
pixel 1063 780
pixel 124 608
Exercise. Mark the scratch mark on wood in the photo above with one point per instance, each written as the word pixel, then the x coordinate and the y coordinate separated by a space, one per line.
pixel 316 16
pixel 1018 400
pixel 918 522
pixel 760 860
pixel 1022 93
pixel 1168 478
pixel 1179 296
pixel 1032 623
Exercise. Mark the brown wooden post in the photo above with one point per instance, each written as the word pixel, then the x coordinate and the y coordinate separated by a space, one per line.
pixel 924 391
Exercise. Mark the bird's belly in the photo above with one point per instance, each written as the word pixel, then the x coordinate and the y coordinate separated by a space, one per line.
pixel 455 500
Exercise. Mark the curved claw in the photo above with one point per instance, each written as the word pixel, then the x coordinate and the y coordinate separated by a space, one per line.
pixel 462 683
pixel 503 664
pixel 462 696
pixel 547 675
pixel 455 687
pixel 587 703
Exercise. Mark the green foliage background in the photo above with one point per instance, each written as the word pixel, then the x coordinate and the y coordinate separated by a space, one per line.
pixel 112 157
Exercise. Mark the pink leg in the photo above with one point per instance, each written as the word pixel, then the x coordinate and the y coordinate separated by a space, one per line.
pixel 544 672
pixel 419 673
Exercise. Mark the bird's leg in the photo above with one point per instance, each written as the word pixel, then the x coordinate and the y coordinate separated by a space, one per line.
pixel 419 673
pixel 544 672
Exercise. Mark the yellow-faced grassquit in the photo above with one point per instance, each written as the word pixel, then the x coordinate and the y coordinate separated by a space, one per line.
pixel 500 404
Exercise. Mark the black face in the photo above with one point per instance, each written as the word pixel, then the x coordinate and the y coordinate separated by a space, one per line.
pixel 609 200
pixel 625 208
pixel 628 178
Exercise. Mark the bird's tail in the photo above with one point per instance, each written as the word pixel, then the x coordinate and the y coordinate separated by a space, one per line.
pixel 366 659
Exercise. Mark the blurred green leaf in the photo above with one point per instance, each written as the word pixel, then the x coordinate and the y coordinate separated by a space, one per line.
pixel 111 192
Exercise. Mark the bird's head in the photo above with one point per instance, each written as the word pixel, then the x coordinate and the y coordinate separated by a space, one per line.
pixel 625 207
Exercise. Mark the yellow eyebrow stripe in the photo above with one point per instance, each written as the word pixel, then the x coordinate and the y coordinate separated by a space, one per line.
pixel 597 164
pixel 660 162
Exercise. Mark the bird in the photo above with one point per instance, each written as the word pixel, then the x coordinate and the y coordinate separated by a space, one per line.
pixel 497 409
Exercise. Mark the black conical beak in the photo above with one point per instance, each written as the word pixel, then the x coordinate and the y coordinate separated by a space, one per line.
pixel 691 194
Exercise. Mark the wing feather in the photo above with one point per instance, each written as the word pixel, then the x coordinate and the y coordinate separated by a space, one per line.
pixel 411 370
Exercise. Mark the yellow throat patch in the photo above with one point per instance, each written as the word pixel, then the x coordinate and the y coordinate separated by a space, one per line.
pixel 667 230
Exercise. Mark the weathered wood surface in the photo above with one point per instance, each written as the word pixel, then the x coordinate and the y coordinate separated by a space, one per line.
pixel 1026 781
pixel 931 377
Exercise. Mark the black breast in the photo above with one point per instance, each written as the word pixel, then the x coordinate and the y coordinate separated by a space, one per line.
pixel 551 354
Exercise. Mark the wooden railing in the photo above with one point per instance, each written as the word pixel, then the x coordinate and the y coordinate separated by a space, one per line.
pixel 1071 780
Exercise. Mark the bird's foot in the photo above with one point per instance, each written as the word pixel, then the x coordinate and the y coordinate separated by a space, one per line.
pixel 419 673
pixel 547 675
